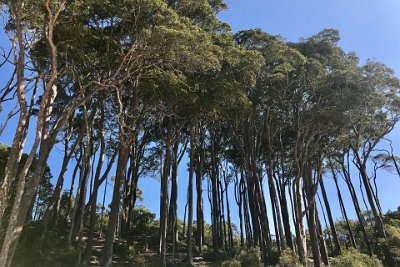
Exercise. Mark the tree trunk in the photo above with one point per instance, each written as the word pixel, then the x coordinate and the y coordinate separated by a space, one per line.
pixel 18 143
pixel 322 243
pixel 239 201
pixel 370 196
pixel 356 204
pixel 93 198
pixel 189 253
pixel 199 192
pixel 342 207
pixel 164 194
pixel 124 148
pixel 173 206
pixel 337 250
pixel 230 232
pixel 299 225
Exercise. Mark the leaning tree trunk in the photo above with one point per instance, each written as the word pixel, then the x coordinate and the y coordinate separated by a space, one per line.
pixel 51 214
pixel 342 207
pixel 24 196
pixel 371 198
pixel 17 146
pixel 356 204
pixel 330 217
pixel 322 243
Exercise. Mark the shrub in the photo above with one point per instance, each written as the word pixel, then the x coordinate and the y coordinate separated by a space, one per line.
pixel 231 263
pixel 392 242
pixel 289 258
pixel 251 257
pixel 354 258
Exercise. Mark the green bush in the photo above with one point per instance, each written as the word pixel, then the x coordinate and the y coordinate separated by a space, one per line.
pixel 289 258
pixel 231 263
pixel 354 258
pixel 392 242
pixel 251 257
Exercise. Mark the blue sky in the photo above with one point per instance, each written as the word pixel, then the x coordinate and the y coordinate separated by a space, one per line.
pixel 368 27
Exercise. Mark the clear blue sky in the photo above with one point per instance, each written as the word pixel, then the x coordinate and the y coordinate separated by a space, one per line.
pixel 368 27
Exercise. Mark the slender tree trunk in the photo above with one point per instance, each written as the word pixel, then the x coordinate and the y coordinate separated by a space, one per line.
pixel 253 212
pixel 342 207
pixel 164 194
pixel 249 229
pixel 18 143
pixel 272 190
pixel 124 148
pixel 299 225
pixel 93 198
pixel 322 243
pixel 214 189
pixel 25 196
pixel 173 206
pixel 103 208
pixel 199 192
pixel 54 205
pixel 239 200
pixel 326 223
pixel 230 232
pixel 22 202
pixel 337 250
pixel 371 199
pixel 79 203
pixel 356 204
pixel 264 222
pixel 312 228
pixel 190 199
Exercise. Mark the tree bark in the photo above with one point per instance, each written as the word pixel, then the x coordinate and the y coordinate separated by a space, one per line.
pixel 164 194
pixel 189 253
pixel 337 250
pixel 18 143
pixel 123 157
pixel 199 156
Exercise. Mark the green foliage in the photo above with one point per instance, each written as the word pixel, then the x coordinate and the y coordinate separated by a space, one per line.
pixel 36 252
pixel 392 241
pixel 231 263
pixel 354 258
pixel 144 222
pixel 4 152
pixel 289 258
pixel 250 257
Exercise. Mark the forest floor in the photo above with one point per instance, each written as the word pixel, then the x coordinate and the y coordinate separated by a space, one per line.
pixel 54 251
pixel 148 258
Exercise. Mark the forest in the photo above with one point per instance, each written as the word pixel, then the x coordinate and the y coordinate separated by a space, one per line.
pixel 266 129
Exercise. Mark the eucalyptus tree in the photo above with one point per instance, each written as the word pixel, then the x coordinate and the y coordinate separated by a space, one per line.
pixel 16 12
pixel 66 26
pixel 379 109
pixel 171 44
